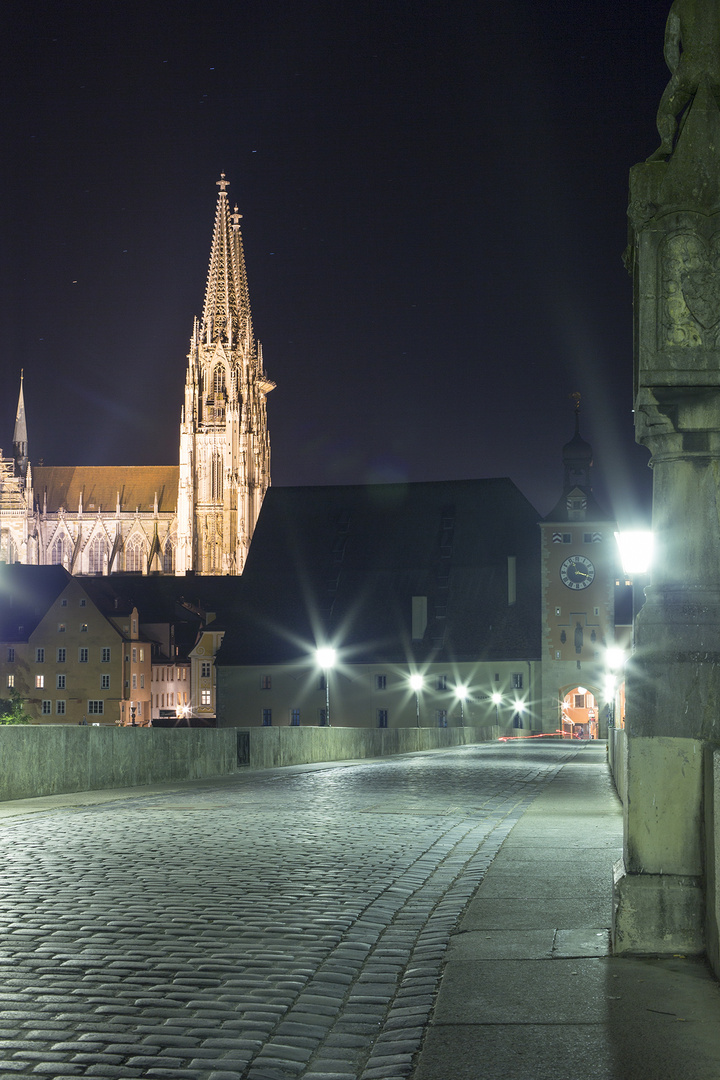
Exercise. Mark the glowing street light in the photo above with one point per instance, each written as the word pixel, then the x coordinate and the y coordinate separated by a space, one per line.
pixel 636 550
pixel 325 658
pixel 496 698
pixel 417 682
pixel 461 693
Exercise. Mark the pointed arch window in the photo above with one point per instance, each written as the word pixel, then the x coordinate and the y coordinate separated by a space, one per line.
pixel 134 553
pixel 168 557
pixel 97 554
pixel 218 379
pixel 59 555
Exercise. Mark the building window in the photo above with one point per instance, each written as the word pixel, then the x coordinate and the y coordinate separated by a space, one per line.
pixel 205 669
pixel 82 656
pixel 142 654
pixel 322 718
pixel 265 682
pixel 11 680
pixel 83 628
pixel 517 680
pixel 63 602
pixel 382 718
pixel 96 708
pixel 134 656
pixel 60 707
pixel 267 717
pixel 142 682
pixel 47 708
pixel 39 682
pixel 134 555
pixel 83 602
pixel 134 682
pixel 61 682
pixel 104 682
pixel 39 656
pixel 294 718
pixel 61 628
pixel 441 717
pixel 11 656
pixel 96 556
pixel 168 558
pixel 134 626
pixel 61 654
pixel 381 683
pixel 442 682
pixel 205 697
pixel 105 656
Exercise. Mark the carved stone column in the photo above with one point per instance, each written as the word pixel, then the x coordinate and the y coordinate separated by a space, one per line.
pixel 673 680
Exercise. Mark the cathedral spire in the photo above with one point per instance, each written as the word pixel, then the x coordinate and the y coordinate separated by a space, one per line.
pixel 20 439
pixel 226 312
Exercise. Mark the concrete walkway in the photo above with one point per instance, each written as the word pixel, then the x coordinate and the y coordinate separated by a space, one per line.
pixel 530 992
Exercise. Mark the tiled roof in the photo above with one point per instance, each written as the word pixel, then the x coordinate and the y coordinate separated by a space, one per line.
pixel 137 486
pixel 343 563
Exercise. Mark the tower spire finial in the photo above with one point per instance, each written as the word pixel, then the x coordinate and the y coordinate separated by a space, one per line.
pixel 20 439
pixel 226 312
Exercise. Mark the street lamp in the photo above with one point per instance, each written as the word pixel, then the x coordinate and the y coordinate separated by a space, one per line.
pixel 496 699
pixel 417 682
pixel 636 555
pixel 325 657
pixel 461 692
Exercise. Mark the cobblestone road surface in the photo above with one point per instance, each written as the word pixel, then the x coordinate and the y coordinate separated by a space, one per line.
pixel 288 923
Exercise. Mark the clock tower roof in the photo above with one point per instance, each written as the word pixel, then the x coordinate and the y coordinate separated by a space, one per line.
pixel 577 502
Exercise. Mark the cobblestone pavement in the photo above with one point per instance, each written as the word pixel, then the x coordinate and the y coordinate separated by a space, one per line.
pixel 281 924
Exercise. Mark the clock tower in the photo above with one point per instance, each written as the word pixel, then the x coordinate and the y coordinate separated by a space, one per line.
pixel 578 567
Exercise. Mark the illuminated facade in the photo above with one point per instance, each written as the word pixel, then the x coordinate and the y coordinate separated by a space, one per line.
pixel 196 516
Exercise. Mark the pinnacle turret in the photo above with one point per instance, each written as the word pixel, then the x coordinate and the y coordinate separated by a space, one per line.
pixel 226 312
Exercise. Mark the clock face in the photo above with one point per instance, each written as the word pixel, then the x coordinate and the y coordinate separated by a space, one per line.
pixel 577 572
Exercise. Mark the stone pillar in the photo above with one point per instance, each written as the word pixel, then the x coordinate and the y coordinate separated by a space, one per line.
pixel 673 679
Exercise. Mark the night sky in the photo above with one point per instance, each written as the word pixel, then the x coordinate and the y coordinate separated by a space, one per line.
pixel 434 212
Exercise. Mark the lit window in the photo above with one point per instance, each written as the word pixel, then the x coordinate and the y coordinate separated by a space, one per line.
pixel 39 656
pixel 83 628
pixel 11 680
pixel 82 656
pixel 61 628
pixel 104 682
pixel 47 708
pixel 96 708
pixel 61 654
pixel 205 697
pixel 60 707
pixel 39 682
pixel 267 717
pixel 142 654
pixel 60 682
pixel 105 656
pixel 517 681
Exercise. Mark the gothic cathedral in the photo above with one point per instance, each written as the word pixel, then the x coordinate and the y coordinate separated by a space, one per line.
pixel 196 516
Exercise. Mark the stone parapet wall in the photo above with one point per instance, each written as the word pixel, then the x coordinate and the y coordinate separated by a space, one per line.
pixel 48 759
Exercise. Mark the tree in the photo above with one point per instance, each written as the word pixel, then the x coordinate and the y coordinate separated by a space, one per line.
pixel 12 711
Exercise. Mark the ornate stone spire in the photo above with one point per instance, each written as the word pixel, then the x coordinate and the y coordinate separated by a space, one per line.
pixel 226 313
pixel 20 439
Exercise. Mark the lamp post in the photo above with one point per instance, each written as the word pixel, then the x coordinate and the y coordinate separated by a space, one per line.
pixel 461 692
pixel 417 682
pixel 496 699
pixel 636 552
pixel 325 657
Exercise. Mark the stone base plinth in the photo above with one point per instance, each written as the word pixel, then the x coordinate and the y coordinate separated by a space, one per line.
pixel 657 914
